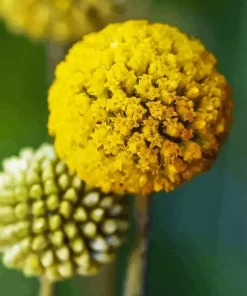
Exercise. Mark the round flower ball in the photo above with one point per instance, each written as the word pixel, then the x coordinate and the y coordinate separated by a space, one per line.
pixel 139 108
pixel 59 20
pixel 51 223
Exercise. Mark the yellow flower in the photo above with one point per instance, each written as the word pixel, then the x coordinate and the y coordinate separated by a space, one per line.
pixel 59 20
pixel 51 223
pixel 156 115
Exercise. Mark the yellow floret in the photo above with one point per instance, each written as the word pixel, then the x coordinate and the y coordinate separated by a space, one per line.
pixel 59 20
pixel 153 110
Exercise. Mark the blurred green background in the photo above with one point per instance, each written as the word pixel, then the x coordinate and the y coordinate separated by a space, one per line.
pixel 199 232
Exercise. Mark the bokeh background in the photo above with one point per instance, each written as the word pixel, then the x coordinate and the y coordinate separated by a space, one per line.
pixel 199 232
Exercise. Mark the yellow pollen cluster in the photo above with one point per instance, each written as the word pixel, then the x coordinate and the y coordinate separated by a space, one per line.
pixel 138 108
pixel 59 20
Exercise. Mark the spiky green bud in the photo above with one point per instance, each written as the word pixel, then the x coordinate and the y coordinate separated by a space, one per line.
pixel 51 223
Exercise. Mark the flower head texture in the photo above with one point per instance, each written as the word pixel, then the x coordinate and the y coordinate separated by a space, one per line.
pixel 51 223
pixel 59 20
pixel 139 108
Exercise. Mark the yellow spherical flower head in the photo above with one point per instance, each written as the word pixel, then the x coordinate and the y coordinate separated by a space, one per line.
pixel 138 108
pixel 60 20
pixel 51 223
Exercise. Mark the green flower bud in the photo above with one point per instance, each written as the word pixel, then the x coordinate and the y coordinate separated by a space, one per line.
pixel 51 223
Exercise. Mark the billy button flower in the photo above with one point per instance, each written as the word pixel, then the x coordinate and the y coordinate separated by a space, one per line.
pixel 59 20
pixel 139 108
pixel 51 223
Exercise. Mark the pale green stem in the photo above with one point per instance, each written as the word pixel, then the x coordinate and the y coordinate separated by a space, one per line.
pixel 134 285
pixel 136 276
pixel 55 53
pixel 103 284
pixel 46 287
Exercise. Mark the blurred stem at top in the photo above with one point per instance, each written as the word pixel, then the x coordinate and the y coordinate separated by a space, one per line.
pixel 55 53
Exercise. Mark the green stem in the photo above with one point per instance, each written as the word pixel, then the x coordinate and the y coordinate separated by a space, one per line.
pixel 135 283
pixel 102 284
pixel 136 267
pixel 55 53
pixel 46 287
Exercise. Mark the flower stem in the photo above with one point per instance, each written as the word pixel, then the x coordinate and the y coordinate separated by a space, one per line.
pixel 46 287
pixel 102 284
pixel 55 53
pixel 137 270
